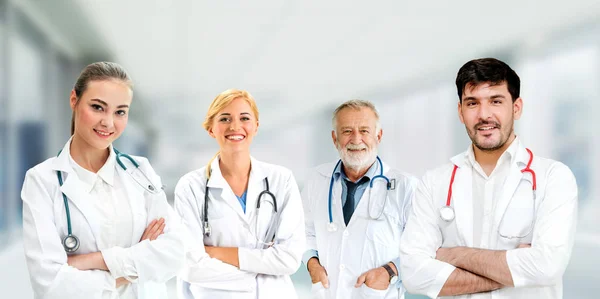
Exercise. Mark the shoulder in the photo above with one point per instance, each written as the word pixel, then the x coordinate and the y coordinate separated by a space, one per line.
pixel 43 170
pixel 193 178
pixel 552 169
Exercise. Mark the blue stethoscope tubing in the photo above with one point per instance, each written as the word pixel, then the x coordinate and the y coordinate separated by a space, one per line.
pixel 379 176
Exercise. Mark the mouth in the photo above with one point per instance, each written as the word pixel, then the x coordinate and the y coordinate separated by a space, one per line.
pixel 235 137
pixel 487 129
pixel 103 134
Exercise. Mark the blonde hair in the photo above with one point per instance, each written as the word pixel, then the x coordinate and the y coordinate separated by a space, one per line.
pixel 219 103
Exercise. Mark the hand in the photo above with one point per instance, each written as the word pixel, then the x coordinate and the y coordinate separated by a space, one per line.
pixel 524 246
pixel 228 255
pixel 154 229
pixel 317 272
pixel 121 281
pixel 378 279
pixel 89 261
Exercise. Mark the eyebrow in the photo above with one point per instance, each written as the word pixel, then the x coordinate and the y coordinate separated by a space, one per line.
pixel 229 114
pixel 106 104
pixel 497 96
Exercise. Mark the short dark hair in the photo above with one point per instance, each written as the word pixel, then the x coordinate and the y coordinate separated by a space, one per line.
pixel 488 70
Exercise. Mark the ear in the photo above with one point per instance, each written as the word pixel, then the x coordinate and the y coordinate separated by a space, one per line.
pixel 333 137
pixel 73 99
pixel 379 135
pixel 459 109
pixel 210 132
pixel 518 108
pixel 257 124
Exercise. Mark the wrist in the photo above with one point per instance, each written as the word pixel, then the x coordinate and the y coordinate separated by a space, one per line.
pixel 312 263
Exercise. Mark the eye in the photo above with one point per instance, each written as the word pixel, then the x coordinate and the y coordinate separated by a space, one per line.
pixel 347 131
pixel 97 107
pixel 225 119
pixel 121 112
pixel 245 118
pixel 471 103
pixel 497 101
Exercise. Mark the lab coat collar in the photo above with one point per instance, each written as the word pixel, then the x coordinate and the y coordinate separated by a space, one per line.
pixel 339 171
pixel 516 152
pixel 257 173
pixel 63 163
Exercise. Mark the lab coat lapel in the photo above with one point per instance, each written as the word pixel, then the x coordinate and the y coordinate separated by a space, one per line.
pixel 75 194
pixel 462 197
pixel 221 191
pixel 512 182
pixel 256 185
pixel 336 203
pixel 462 201
pixel 135 196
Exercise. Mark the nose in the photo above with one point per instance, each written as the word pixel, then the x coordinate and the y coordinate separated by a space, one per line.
pixel 485 111
pixel 107 121
pixel 234 125
pixel 356 138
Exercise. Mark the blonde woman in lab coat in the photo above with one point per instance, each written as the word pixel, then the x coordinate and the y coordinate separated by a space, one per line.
pixel 92 229
pixel 246 215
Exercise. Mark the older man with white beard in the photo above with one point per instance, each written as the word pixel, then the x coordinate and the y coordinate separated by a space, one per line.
pixel 355 212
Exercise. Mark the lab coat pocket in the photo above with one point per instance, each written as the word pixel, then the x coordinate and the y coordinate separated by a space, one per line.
pixel 516 226
pixel 318 291
pixel 384 232
pixel 369 293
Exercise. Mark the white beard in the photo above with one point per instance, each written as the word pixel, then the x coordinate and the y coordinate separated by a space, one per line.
pixel 357 160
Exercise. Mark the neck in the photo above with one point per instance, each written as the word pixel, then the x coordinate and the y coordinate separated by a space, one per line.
pixel 488 159
pixel 87 156
pixel 235 165
pixel 355 174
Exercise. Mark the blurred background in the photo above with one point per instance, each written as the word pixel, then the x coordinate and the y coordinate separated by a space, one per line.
pixel 300 59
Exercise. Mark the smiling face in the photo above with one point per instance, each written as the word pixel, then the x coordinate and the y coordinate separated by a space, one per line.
pixel 102 111
pixel 356 137
pixel 234 126
pixel 488 113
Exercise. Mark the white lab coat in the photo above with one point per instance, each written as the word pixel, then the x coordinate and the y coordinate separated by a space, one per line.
pixel 366 243
pixel 536 271
pixel 262 273
pixel 45 226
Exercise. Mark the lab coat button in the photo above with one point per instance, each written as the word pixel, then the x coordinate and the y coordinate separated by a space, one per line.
pixel 346 233
pixel 342 267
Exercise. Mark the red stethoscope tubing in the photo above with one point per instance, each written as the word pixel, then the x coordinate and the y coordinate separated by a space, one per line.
pixel 526 169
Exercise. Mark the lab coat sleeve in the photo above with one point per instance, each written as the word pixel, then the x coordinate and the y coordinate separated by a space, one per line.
pixel 553 236
pixel 158 260
pixel 200 269
pixel 309 226
pixel 283 258
pixel 421 273
pixel 51 276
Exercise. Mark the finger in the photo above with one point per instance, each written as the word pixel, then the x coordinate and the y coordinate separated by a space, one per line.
pixel 324 280
pixel 158 232
pixel 361 279
pixel 524 245
pixel 147 230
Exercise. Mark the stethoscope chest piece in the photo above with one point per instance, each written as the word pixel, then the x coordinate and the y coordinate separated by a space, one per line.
pixel 70 243
pixel 447 213
pixel 332 227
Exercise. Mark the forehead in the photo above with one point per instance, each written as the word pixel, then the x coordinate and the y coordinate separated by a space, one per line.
pixel 485 90
pixel 110 91
pixel 350 117
pixel 238 105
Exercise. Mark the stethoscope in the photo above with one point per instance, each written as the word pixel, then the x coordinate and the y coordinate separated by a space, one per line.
pixel 71 242
pixel 447 212
pixel 390 185
pixel 207 228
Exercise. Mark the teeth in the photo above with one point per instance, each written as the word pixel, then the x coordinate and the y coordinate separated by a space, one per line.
pixel 235 137
pixel 102 133
pixel 486 128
